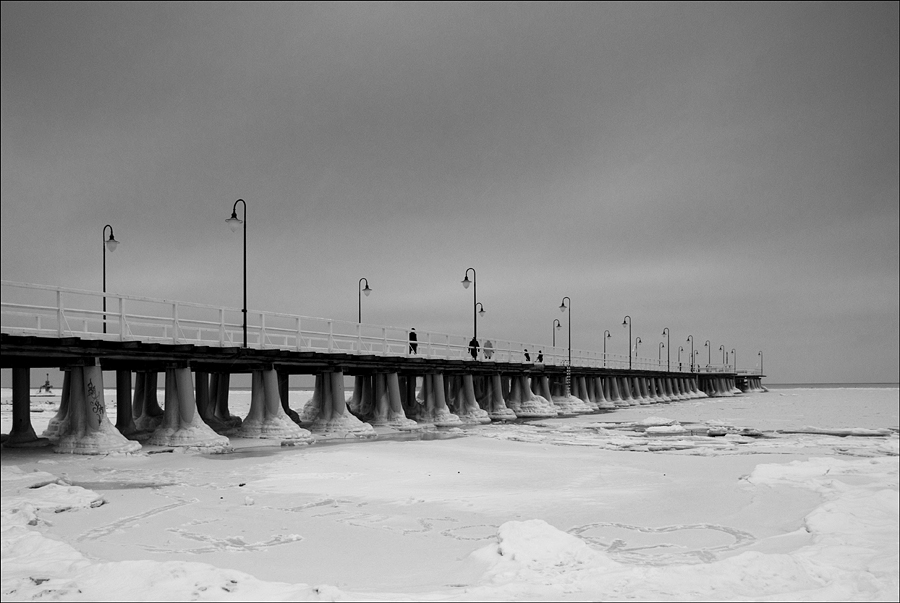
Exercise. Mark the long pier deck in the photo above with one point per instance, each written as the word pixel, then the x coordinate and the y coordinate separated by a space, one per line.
pixel 198 347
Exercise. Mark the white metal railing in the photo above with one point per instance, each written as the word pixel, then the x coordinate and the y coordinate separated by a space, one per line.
pixel 46 311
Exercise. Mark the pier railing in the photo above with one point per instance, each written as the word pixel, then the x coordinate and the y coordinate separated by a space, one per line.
pixel 46 311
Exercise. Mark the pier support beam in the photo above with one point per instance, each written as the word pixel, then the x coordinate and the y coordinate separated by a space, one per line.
pixel 463 401
pixel 22 434
pixel 327 410
pixel 388 406
pixel 489 393
pixel 266 418
pixel 124 414
pixel 525 403
pixel 146 413
pixel 86 428
pixel 181 425
pixel 206 403
pixel 52 431
pixel 433 403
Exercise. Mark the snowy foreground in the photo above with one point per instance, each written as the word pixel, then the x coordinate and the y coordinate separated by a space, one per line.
pixel 797 500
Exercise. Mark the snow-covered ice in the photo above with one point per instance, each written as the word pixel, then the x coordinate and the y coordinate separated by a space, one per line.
pixel 786 495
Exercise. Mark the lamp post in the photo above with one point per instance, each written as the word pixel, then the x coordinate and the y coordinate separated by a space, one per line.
pixel 233 223
pixel 361 291
pixel 475 304
pixel 708 347
pixel 722 348
pixel 662 344
pixel 668 347
pixel 680 349
pixel 691 339
pixel 556 327
pixel 606 335
pixel 111 243
pixel 734 359
pixel 637 342
pixel 562 308
pixel 627 321
pixel 760 362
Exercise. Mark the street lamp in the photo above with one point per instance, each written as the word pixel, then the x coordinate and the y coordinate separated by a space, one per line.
pixel 734 359
pixel 562 308
pixel 361 291
pixel 680 349
pixel 691 339
pixel 760 363
pixel 111 243
pixel 637 342
pixel 708 345
pixel 475 303
pixel 234 223
pixel 722 348
pixel 627 321
pixel 662 344
pixel 668 347
pixel 556 327
pixel 606 335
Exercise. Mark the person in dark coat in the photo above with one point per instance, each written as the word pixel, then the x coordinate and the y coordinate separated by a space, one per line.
pixel 473 348
pixel 540 357
pixel 413 341
pixel 527 356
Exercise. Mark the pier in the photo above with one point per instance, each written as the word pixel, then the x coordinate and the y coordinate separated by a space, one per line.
pixel 198 347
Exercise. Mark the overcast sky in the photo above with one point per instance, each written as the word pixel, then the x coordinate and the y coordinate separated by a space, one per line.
pixel 728 171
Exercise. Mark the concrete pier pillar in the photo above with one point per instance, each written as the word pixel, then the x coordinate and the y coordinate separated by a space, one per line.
pixel 86 428
pixel 328 409
pixel 567 405
pixel 266 418
pixel 408 397
pixel 603 402
pixel 525 403
pixel 492 399
pixel 22 434
pixel 636 392
pixel 362 400
pixel 52 430
pixel 146 413
pixel 468 409
pixel 206 386
pixel 181 425
pixel 625 391
pixel 219 393
pixel 436 402
pixel 388 410
pixel 124 414
pixel 586 392
pixel 615 393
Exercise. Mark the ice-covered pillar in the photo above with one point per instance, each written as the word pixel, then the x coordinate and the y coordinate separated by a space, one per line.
pixel 22 433
pixel 266 418
pixel 440 413
pixel 222 390
pixel 496 405
pixel 181 425
pixel 146 413
pixel 525 403
pixel 124 415
pixel 52 430
pixel 469 410
pixel 329 406
pixel 625 391
pixel 206 403
pixel 388 405
pixel 362 401
pixel 86 428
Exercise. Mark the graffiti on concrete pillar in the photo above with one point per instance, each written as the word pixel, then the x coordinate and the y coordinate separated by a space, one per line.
pixel 95 401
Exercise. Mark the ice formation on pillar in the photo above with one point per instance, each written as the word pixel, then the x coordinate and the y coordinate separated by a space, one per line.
pixel 145 407
pixel 462 400
pixel 565 404
pixel 603 403
pixel 181 425
pixel 525 403
pixel 489 393
pixel 585 393
pixel 327 409
pixel 379 401
pixel 52 430
pixel 86 428
pixel 432 407
pixel 266 418
pixel 207 393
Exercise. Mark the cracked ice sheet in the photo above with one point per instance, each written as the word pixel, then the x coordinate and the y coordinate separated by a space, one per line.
pixel 425 520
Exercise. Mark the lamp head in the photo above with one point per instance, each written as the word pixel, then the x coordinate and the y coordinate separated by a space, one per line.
pixel 466 282
pixel 111 242
pixel 234 222
pixel 367 290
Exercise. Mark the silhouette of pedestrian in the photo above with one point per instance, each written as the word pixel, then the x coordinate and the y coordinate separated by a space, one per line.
pixel 527 355
pixel 540 357
pixel 473 348
pixel 413 341
pixel 488 349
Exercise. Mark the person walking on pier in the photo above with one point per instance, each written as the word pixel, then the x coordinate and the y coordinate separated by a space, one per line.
pixel 540 357
pixel 527 356
pixel 488 349
pixel 473 348
pixel 413 341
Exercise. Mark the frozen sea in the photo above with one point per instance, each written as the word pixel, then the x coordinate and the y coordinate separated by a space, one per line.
pixel 798 500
